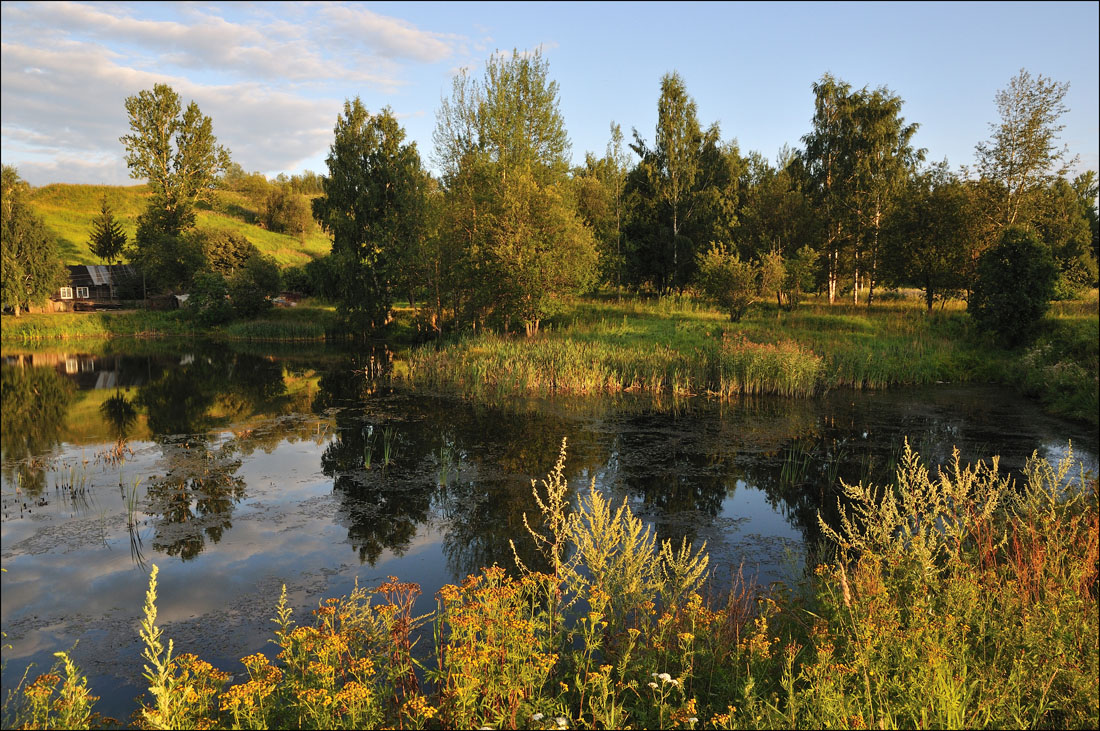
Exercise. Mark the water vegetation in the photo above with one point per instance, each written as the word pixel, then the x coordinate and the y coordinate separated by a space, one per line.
pixel 956 600
pixel 677 345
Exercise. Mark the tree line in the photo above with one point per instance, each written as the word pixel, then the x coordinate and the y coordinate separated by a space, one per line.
pixel 506 229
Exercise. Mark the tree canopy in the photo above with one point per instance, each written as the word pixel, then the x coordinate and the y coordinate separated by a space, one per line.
pixel 30 270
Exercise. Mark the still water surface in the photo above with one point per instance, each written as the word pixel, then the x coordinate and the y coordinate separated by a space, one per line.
pixel 259 468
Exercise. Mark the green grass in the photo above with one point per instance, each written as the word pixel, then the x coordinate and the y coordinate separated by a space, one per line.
pixel 32 328
pixel 69 210
pixel 307 322
pixel 679 346
pixel 958 601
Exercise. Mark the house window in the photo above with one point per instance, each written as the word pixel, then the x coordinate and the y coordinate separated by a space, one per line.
pixel 66 293
pixel 82 293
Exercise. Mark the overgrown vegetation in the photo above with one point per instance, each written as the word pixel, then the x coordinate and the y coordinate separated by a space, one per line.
pixel 960 600
pixel 675 345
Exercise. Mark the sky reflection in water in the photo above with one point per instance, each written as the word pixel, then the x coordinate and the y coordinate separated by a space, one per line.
pixel 255 471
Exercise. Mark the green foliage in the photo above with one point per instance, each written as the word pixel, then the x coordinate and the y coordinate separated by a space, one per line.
pixel 372 205
pixel 930 239
pixel 503 149
pixel 225 252
pixel 165 250
pixel 1020 159
pixel 728 281
pixel 285 211
pixel 1014 286
pixel 108 239
pixel 799 274
pixel 176 152
pixel 30 269
pixel 208 303
pixel 253 285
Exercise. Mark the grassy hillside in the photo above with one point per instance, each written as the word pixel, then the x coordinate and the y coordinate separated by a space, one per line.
pixel 69 210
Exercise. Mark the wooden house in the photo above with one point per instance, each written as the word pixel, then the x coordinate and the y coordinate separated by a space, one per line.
pixel 92 286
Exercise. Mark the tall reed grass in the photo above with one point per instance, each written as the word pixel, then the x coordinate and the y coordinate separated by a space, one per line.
pixel 961 600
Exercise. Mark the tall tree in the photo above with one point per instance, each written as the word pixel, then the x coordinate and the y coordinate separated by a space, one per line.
pixel 884 159
pixel 176 152
pixel 108 238
pixel 828 160
pixel 1021 158
pixel 30 269
pixel 503 150
pixel 928 237
pixel 678 142
pixel 372 205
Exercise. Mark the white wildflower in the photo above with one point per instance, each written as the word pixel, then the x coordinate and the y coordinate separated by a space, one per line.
pixel 537 716
pixel 653 685
pixel 665 677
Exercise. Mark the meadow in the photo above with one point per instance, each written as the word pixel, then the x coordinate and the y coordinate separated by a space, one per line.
pixel 957 600
pixel 69 210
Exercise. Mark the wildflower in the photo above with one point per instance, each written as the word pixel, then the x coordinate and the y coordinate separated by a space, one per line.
pixel 537 716
pixel 653 685
pixel 675 681
pixel 665 677
pixel 560 721
pixel 693 719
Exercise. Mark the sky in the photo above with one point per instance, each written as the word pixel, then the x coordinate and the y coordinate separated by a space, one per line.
pixel 274 76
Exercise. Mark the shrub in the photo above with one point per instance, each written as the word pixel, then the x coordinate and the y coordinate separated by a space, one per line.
pixel 208 303
pixel 1014 286
pixel 251 287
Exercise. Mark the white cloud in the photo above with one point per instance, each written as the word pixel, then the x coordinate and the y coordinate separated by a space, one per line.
pixel 270 76
pixel 389 37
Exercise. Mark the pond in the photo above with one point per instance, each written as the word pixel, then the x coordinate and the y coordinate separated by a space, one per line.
pixel 237 471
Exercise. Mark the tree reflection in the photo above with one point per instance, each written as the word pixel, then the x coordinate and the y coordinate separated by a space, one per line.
pixel 34 404
pixel 193 502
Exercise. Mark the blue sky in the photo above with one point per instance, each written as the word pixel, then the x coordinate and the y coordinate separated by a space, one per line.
pixel 274 76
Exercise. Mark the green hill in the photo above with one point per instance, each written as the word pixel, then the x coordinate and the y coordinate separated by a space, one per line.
pixel 69 210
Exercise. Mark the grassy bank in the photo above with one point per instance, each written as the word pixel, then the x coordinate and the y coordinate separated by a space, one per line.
pixel 678 346
pixel 958 602
pixel 308 322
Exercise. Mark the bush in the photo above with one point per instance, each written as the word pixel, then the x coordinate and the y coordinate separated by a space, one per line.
pixel 727 281
pixel 252 286
pixel 208 303
pixel 1014 286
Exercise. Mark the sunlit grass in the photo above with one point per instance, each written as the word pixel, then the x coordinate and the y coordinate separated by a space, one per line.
pixel 68 210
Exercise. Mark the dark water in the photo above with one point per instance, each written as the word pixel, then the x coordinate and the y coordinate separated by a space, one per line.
pixel 257 469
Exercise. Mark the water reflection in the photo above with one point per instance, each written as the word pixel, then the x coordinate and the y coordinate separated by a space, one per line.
pixel 398 460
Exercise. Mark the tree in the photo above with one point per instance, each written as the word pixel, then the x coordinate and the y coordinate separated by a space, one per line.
pixel 799 272
pixel 253 285
pixel 1062 223
pixel 108 238
pixel 285 211
pixel 224 252
pixel 829 161
pixel 166 252
pixel 1020 159
pixel 884 161
pixel 1014 286
pixel 728 281
pixel 372 205
pixel 31 269
pixel 507 218
pixel 177 153
pixel 929 236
